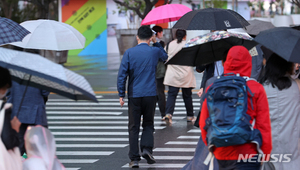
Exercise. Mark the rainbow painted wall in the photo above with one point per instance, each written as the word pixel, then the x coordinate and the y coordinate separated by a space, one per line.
pixel 89 18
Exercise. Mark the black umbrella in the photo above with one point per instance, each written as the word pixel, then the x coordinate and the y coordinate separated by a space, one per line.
pixel 211 19
pixel 283 41
pixel 11 31
pixel 209 48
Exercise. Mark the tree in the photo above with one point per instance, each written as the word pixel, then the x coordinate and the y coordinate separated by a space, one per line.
pixel 22 10
pixel 296 2
pixel 140 7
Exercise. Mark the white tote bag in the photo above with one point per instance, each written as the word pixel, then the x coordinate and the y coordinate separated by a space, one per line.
pixel 9 159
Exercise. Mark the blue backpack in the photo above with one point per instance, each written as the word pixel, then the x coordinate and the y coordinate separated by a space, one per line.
pixel 228 123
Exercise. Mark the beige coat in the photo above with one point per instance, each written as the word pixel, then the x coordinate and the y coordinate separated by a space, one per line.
pixel 176 75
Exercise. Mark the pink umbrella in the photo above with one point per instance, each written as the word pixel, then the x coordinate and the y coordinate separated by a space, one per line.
pixel 165 13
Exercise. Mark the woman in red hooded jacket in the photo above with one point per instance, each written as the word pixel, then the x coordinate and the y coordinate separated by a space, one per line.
pixel 239 61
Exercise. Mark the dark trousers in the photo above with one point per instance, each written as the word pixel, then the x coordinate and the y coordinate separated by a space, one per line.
pixel 21 135
pixel 141 106
pixel 235 165
pixel 187 98
pixel 161 97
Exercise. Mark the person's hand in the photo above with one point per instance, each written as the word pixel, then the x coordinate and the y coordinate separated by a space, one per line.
pixel 121 101
pixel 15 124
pixel 200 92
pixel 154 38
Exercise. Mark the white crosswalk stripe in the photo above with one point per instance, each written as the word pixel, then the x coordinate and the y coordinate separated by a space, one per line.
pixel 91 131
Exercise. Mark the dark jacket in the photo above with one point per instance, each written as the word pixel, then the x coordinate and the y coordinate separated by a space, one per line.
pixel 8 136
pixel 139 63
pixel 207 74
pixel 33 107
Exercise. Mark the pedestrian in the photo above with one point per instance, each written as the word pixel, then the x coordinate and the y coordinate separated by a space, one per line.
pixel 30 108
pixel 41 150
pixel 9 142
pixel 284 98
pixel 139 64
pixel 179 77
pixel 254 113
pixel 160 75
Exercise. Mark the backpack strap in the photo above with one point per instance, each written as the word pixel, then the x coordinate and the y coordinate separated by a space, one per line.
pixel 248 90
pixel 210 159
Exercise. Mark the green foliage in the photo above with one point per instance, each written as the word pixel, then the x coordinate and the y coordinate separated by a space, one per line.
pixel 216 3
pixel 133 4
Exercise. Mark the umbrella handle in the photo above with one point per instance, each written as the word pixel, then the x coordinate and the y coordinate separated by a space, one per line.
pixel 23 96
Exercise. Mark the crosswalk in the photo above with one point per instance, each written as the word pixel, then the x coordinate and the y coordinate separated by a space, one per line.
pixel 86 132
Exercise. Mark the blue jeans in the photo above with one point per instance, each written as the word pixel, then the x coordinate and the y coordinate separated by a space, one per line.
pixel 187 98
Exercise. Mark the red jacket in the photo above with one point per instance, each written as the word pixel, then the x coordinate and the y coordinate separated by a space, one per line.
pixel 239 61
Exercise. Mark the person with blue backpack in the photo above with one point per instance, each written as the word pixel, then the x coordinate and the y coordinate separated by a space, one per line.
pixel 235 120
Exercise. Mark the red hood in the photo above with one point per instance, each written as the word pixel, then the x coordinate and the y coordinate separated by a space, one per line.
pixel 238 61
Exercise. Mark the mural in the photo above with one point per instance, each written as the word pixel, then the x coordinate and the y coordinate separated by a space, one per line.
pixel 89 18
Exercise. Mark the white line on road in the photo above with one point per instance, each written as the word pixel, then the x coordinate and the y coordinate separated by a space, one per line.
pixel 194 131
pixel 106 100
pixel 173 157
pixel 72 168
pixel 96 127
pixel 188 137
pixel 181 143
pixel 98 122
pixel 101 117
pixel 174 150
pixel 91 139
pixel 91 133
pixel 91 145
pixel 98 108
pixel 83 153
pixel 77 113
pixel 144 165
pixel 78 161
pixel 102 104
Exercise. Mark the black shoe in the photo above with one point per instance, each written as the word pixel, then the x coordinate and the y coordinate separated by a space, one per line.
pixel 148 156
pixel 134 164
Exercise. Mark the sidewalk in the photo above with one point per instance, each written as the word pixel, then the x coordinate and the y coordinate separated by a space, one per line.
pixel 102 71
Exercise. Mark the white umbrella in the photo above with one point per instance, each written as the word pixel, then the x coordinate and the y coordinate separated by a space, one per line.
pixel 51 35
pixel 34 70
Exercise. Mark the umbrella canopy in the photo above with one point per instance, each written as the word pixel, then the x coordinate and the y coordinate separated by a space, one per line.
pixel 11 31
pixel 34 70
pixel 51 35
pixel 165 13
pixel 283 41
pixel 256 26
pixel 211 19
pixel 209 48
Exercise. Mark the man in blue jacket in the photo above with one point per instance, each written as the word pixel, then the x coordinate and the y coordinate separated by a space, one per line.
pixel 139 64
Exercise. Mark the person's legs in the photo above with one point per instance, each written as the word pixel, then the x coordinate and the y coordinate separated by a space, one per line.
pixel 188 101
pixel 147 138
pixel 161 96
pixel 134 117
pixel 148 111
pixel 172 94
pixel 21 134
